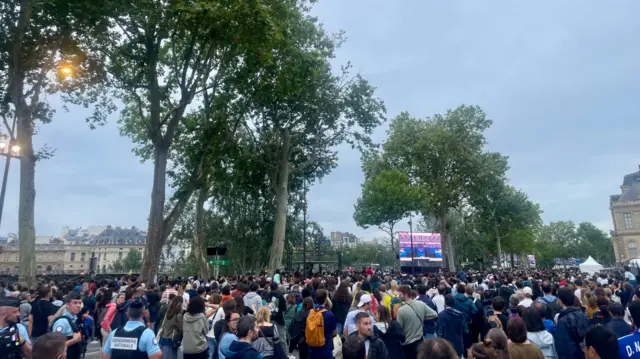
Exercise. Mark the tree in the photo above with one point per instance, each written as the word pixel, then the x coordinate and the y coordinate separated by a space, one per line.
pixel 508 218
pixel 306 111
pixel 165 56
pixel 555 240
pixel 594 242
pixel 131 262
pixel 444 157
pixel 46 47
pixel 387 198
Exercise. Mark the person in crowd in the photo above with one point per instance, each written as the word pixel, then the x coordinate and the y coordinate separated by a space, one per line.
pixel 364 305
pixel 618 325
pixel 411 317
pixel 298 327
pixel 247 331
pixel 451 324
pixel 601 343
pixel 329 327
pixel 429 328
pixel 436 349
pixel 228 335
pixel 354 348
pixel 571 328
pixel 500 342
pixel 341 303
pixel 66 324
pixel 465 305
pixel 194 329
pixel 628 344
pixel 253 300
pixel 268 341
pixel 50 346
pixel 118 343
pixel 438 298
pixel 375 348
pixel 537 333
pixel 483 350
pixel 277 307
pixel 389 331
pixel 171 329
pixel 115 316
pixel 14 336
pixel 527 301
pixel 519 347
pixel 42 312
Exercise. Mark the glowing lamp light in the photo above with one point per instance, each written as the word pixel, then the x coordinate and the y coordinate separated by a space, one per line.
pixel 15 149
pixel 2 146
pixel 66 70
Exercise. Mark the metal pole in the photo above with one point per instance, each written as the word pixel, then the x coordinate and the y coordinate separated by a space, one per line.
pixel 7 164
pixel 413 267
pixel 304 225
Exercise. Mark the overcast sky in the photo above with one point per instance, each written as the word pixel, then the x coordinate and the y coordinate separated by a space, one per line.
pixel 560 80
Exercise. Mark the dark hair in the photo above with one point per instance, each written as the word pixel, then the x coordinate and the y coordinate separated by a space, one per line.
pixel 497 303
pixel 225 290
pixel 436 349
pixel 43 291
pixel 484 350
pixel 360 316
pixel 448 300
pixel 253 287
pixel 566 296
pixel 196 305
pixel 307 304
pixel 353 348
pixel 517 330
pixel 175 307
pixel 634 310
pixel 49 346
pixel 603 341
pixel 239 304
pixel 532 320
pixel 321 296
pixel 547 287
pixel 422 290
pixel 616 309
pixel 245 326
pixel 384 314
pixel 342 294
pixel 405 289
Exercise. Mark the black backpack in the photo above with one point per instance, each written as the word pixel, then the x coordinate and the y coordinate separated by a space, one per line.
pixel 553 308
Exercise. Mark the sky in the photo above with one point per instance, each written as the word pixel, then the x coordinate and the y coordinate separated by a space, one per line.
pixel 560 80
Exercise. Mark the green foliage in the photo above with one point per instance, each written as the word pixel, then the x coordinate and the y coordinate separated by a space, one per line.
pixel 366 254
pixel 131 262
pixel 564 240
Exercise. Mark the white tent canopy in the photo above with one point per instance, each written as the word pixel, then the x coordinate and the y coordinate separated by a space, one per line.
pixel 590 266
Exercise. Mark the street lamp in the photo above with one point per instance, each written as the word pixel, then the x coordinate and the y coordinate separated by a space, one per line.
pixel 8 150
pixel 413 268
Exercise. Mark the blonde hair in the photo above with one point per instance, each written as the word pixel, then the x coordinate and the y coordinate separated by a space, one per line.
pixel 263 315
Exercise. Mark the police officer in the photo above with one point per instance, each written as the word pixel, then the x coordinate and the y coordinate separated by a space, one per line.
pixel 14 339
pixel 134 340
pixel 66 324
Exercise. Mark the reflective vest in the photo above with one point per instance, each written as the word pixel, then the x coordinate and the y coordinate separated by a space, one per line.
pixel 10 343
pixel 126 345
pixel 75 351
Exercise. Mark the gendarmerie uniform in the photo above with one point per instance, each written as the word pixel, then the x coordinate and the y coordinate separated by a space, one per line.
pixel 10 347
pixel 67 325
pixel 132 341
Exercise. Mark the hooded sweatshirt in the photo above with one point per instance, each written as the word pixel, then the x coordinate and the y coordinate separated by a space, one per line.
pixel 465 305
pixel 570 332
pixel 545 342
pixel 194 328
pixel 253 300
pixel 392 336
pixel 224 348
pixel 242 350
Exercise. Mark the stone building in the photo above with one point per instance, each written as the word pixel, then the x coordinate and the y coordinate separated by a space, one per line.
pixel 73 254
pixel 625 212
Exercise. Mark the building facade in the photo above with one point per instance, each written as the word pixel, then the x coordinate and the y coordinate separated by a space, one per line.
pixel 73 254
pixel 625 213
pixel 343 239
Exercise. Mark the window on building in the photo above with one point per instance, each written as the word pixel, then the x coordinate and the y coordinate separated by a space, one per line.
pixel 628 220
pixel 73 256
pixel 71 266
pixel 120 255
pixel 633 250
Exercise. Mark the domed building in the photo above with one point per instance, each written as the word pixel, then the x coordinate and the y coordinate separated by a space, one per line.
pixel 625 212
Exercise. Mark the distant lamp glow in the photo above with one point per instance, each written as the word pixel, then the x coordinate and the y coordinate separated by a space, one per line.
pixel 15 150
pixel 67 70
pixel 3 145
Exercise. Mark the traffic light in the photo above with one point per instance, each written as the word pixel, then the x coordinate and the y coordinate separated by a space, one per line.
pixel 216 251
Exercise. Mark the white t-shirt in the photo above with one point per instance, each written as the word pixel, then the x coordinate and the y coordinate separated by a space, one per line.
pixel 438 300
pixel 185 300
pixel 628 275
pixel 526 302
pixel 213 319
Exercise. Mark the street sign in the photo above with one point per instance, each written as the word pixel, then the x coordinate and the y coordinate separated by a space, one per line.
pixel 220 262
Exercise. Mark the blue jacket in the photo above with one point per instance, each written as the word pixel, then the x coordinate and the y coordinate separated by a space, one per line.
pixel 465 305
pixel 242 350
pixel 619 327
pixel 224 348
pixel 570 332
pixel 451 324
pixel 429 324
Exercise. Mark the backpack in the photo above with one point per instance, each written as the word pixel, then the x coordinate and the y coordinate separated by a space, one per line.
pixel 513 313
pixel 494 321
pixel 314 332
pixel 103 313
pixel 395 301
pixel 553 307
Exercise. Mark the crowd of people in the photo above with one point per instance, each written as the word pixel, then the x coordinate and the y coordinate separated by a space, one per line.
pixel 493 314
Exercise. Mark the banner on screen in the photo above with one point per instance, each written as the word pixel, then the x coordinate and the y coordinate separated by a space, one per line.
pixel 426 246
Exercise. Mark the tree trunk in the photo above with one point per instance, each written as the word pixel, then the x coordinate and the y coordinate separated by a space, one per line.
pixel 392 247
pixel 282 201
pixel 513 261
pixel 200 246
pixel 156 235
pixel 449 257
pixel 499 248
pixel 26 209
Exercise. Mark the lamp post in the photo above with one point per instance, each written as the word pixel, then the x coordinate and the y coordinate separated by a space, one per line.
pixel 304 226
pixel 8 150
pixel 413 268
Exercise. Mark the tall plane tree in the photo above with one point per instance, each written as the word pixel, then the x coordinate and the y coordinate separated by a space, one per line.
pixel 167 55
pixel 307 110
pixel 46 47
